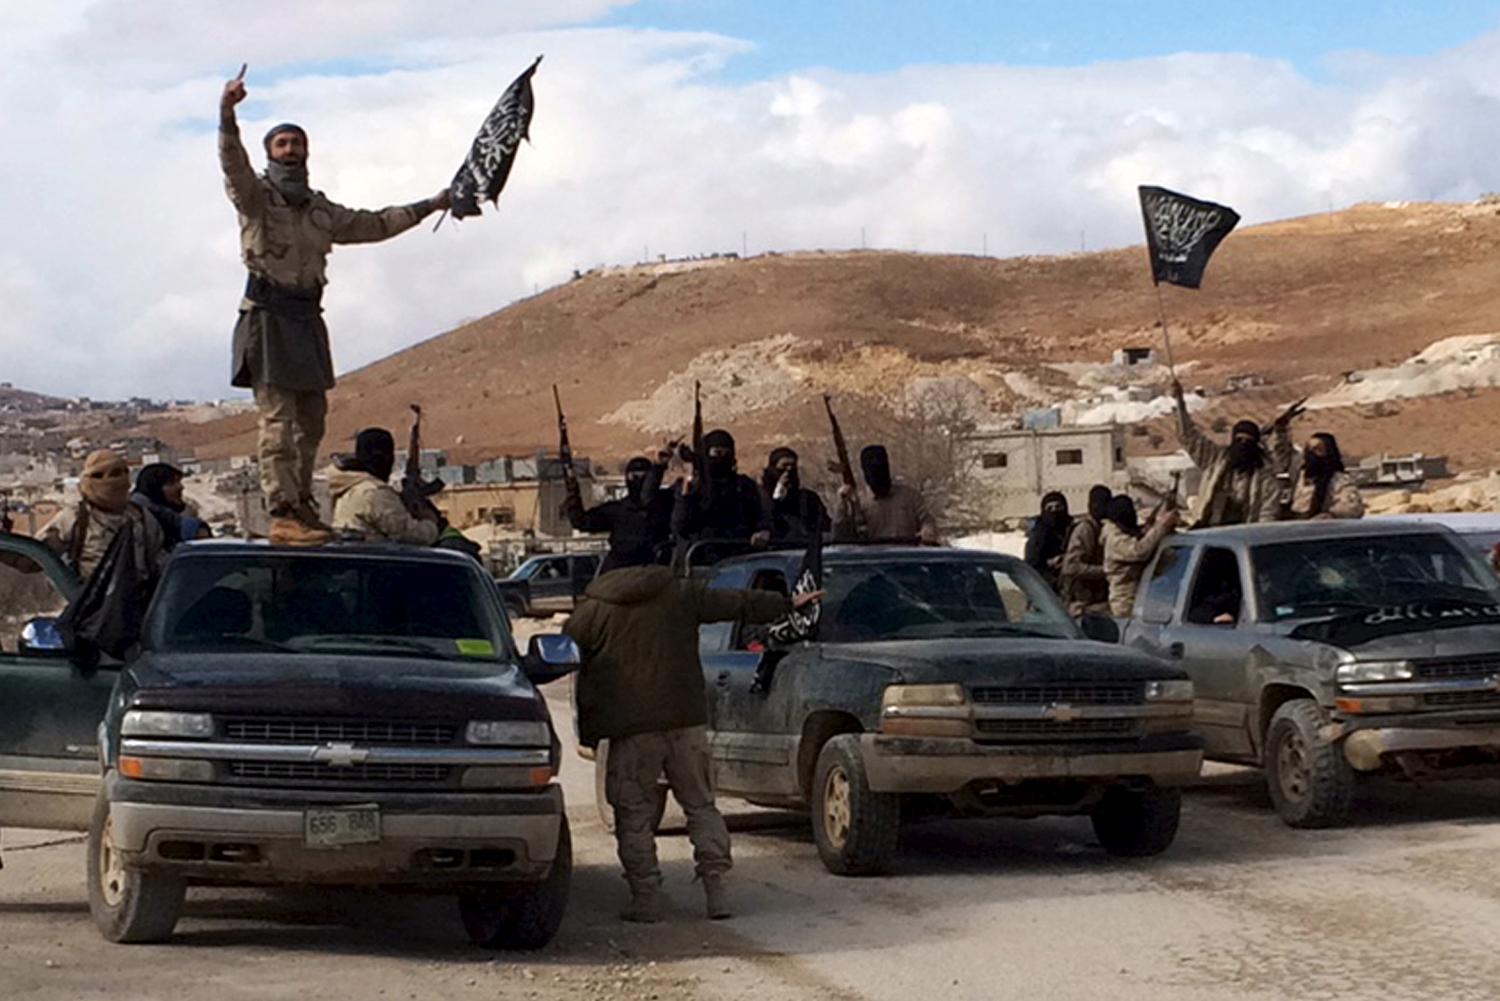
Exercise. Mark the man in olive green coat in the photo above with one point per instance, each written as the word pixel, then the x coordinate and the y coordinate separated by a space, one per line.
pixel 641 688
pixel 280 343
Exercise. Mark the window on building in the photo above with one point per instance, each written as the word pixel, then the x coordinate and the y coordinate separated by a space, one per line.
pixel 994 460
pixel 1070 457
pixel 503 516
pixel 1119 455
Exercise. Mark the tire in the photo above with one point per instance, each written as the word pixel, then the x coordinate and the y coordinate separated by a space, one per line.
pixel 1136 823
pixel 601 797
pixel 128 905
pixel 521 916
pixel 855 829
pixel 1311 784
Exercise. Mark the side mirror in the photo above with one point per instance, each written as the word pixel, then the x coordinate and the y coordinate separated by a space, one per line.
pixel 40 637
pixel 551 656
pixel 1100 628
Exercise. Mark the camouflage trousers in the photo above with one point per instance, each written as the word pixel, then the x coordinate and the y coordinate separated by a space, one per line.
pixel 291 428
pixel 635 763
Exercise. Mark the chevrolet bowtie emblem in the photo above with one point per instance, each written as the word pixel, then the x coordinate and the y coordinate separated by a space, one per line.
pixel 1061 712
pixel 340 755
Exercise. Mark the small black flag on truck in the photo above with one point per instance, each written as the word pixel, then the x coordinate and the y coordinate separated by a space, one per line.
pixel 488 164
pixel 800 624
pixel 1182 233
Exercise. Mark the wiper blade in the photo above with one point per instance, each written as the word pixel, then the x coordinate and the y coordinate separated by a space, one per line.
pixel 376 642
pixel 228 638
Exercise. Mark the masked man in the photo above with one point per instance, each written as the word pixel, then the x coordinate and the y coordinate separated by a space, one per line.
pixel 639 524
pixel 1081 583
pixel 727 505
pixel 893 511
pixel 364 500
pixel 1239 479
pixel 1048 538
pixel 81 533
pixel 280 342
pixel 1321 488
pixel 797 514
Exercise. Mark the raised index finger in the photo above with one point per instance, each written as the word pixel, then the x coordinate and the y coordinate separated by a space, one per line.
pixel 241 77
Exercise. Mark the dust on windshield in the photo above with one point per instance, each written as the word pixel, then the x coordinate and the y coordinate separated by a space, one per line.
pixel 939 599
pixel 327 605
pixel 1341 576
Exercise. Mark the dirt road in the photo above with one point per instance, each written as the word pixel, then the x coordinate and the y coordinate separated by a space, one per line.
pixel 1403 904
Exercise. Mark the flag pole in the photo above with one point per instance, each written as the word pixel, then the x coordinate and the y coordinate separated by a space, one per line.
pixel 1161 309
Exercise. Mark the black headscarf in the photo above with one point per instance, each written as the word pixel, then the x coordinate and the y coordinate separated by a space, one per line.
pixel 374 453
pixel 152 481
pixel 772 476
pixel 1245 456
pixel 637 475
pixel 1048 538
pixel 722 468
pixel 1319 470
pixel 1099 498
pixel 875 462
pixel 1121 511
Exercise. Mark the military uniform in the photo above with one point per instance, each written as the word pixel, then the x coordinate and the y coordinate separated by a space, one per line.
pixel 280 341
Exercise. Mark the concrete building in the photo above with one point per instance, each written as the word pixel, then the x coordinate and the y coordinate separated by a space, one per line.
pixel 1013 469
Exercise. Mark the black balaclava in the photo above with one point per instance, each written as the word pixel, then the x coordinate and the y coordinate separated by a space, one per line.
pixel 875 462
pixel 287 176
pixel 1059 519
pixel 772 476
pixel 1319 470
pixel 723 468
pixel 1099 498
pixel 153 480
pixel 1121 511
pixel 374 453
pixel 1245 456
pixel 637 471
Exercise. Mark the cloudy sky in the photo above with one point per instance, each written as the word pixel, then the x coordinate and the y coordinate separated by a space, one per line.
pixel 677 127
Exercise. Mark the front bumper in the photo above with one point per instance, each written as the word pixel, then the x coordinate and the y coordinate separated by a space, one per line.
pixel 241 835
pixel 948 764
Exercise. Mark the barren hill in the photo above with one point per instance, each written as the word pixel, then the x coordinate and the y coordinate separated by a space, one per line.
pixel 1301 302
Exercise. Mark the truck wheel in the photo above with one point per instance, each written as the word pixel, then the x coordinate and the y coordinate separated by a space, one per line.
pixel 128 905
pixel 523 916
pixel 855 828
pixel 1134 823
pixel 1310 782
pixel 601 798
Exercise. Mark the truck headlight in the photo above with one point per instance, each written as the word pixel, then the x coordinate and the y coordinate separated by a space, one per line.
pixel 1169 691
pixel 508 733
pixel 1375 670
pixel 926 711
pixel 151 723
pixel 924 695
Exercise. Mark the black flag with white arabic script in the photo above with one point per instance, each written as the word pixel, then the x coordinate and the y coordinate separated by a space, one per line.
pixel 799 624
pixel 488 164
pixel 1182 233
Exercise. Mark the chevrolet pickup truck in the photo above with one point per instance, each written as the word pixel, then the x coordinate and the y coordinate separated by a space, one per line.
pixel 345 715
pixel 942 681
pixel 1324 651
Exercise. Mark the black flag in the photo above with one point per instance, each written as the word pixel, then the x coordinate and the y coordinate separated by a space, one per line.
pixel 1182 233
pixel 800 623
pixel 488 164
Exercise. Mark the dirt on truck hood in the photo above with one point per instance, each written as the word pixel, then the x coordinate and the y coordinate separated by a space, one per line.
pixel 1004 661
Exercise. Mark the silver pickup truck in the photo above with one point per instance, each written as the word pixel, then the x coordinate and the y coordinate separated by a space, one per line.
pixel 1324 651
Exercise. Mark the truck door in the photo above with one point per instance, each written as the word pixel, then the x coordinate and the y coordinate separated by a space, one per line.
pixel 1210 637
pixel 49 709
pixel 1157 604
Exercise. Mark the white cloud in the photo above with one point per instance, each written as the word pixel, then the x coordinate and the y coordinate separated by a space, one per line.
pixel 121 274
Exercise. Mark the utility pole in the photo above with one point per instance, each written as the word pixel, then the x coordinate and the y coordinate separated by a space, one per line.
pixel 861 238
pixel 984 242
pixel 744 244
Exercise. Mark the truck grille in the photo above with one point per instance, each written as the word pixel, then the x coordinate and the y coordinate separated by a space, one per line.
pixel 1047 729
pixel 1457 667
pixel 1099 694
pixel 1462 700
pixel 278 771
pixel 277 730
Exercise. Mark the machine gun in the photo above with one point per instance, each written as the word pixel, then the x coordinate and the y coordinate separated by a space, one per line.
pixel 565 453
pixel 845 469
pixel 694 454
pixel 417 493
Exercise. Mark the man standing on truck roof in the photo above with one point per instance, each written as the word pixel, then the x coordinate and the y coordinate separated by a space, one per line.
pixel 280 342
pixel 641 688
pixel 1239 479
pixel 639 524
pixel 893 511
pixel 364 500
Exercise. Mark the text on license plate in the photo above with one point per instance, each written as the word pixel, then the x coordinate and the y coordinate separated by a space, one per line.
pixel 346 825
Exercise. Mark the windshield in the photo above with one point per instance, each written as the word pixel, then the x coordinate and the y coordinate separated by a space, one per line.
pixel 942 598
pixel 1333 576
pixel 327 604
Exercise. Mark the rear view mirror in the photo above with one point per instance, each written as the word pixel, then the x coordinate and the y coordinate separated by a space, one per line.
pixel 40 636
pixel 1100 628
pixel 551 656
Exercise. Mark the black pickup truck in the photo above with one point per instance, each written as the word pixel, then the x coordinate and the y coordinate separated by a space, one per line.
pixel 941 680
pixel 352 714
pixel 546 585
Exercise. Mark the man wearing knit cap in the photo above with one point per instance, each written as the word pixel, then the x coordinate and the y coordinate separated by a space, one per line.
pixel 364 500
pixel 1239 479
pixel 81 533
pixel 280 343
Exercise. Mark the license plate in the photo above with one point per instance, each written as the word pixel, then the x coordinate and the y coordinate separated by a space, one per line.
pixel 348 825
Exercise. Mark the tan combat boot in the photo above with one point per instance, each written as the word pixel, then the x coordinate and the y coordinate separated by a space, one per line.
pixel 716 897
pixel 645 904
pixel 307 512
pixel 286 531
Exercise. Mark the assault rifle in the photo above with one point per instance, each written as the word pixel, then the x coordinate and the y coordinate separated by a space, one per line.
pixel 416 493
pixel 694 455
pixel 565 452
pixel 846 468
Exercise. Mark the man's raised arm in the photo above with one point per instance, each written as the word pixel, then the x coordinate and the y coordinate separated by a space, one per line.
pixel 239 177
pixel 372 226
